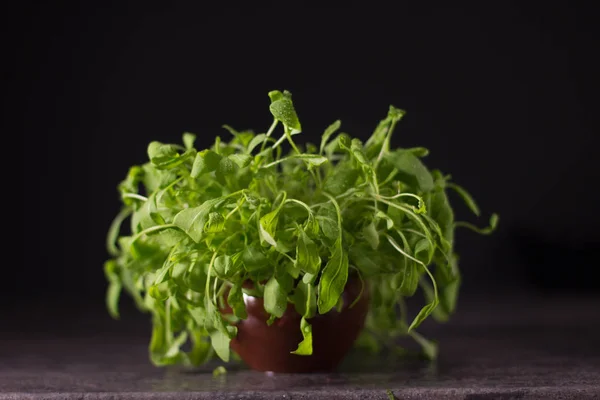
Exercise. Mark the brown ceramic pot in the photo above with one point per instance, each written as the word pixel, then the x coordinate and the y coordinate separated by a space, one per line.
pixel 267 348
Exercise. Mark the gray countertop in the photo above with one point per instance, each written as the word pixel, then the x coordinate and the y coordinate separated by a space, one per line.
pixel 493 349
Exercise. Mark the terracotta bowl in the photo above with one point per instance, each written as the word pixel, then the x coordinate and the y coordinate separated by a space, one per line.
pixel 267 348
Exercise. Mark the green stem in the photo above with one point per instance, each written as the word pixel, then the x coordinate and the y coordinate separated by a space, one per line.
pixel 151 230
pixel 301 203
pixel 134 196
pixel 210 266
pixel 288 136
pixel 269 132
pixel 362 289
pixel 401 251
pixel 113 231
pixel 482 231
pixel 401 195
pixel 414 217
pixel 168 332
pixel 271 164
pixel 215 291
pixel 237 207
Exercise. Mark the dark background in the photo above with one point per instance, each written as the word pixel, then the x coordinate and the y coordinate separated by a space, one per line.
pixel 505 97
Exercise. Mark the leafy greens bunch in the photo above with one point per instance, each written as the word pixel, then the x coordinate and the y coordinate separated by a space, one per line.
pixel 295 223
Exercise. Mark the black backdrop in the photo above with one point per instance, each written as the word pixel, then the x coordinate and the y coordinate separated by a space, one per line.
pixel 504 97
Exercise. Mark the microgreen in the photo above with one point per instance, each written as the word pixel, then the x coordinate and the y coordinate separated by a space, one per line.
pixel 296 223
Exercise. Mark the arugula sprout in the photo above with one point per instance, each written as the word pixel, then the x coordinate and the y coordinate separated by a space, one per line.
pixel 296 224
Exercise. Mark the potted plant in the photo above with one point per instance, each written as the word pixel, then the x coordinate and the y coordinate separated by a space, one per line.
pixel 286 257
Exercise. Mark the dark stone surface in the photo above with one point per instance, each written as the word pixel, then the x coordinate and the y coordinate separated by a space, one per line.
pixel 493 349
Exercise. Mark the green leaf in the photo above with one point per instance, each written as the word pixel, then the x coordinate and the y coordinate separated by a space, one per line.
pixel 333 279
pixel 283 110
pixel 230 130
pixel 341 180
pixel 305 347
pixel 419 151
pixel 220 342
pixel 494 222
pixel 192 220
pixel 111 271
pixel 331 129
pixel 112 298
pixel 220 370
pixel 223 267
pixel 251 199
pixel 307 254
pixel 131 184
pixel 305 298
pixel 466 196
pixel 256 141
pixel 328 227
pixel 314 160
pixel 423 314
pixel 235 299
pixel 380 138
pixel 158 341
pixel 253 258
pixel 410 169
pixel 188 140
pixel 371 235
pixel 275 298
pixel 214 320
pixel 356 149
pixel 337 144
pixel 163 273
pixel 201 349
pixel 407 280
pixel 327 218
pixel 143 217
pixel 174 348
pixel 366 260
pixel 241 160
pixel 389 222
pixel 169 237
pixel 198 314
pixel 423 251
pixel 275 95
pixel 286 282
pixel 485 231
pixel 311 226
pixel 215 223
pixel 224 171
pixel 441 212
pixel 344 141
pixel 196 279
pixel 267 227
pixel 226 166
pixel 114 230
pixel 205 161
pixel 158 150
pixel 449 293
pixel 170 162
pixel 160 292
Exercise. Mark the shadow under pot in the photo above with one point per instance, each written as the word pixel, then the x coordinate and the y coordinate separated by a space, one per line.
pixel 267 347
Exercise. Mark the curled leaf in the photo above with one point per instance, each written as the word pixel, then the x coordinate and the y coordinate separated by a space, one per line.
pixel 305 347
pixel 333 279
